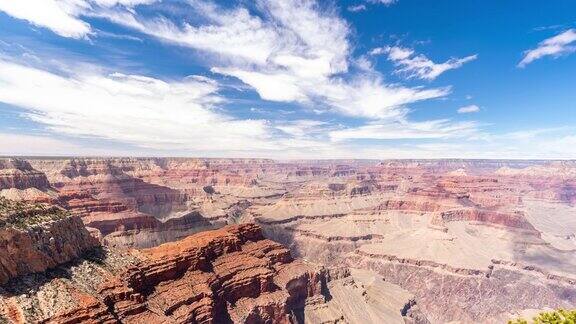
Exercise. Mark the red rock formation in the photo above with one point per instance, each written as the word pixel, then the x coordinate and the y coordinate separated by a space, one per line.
pixel 19 174
pixel 37 238
pixel 231 274
pixel 516 220
pixel 414 205
pixel 228 275
pixel 324 210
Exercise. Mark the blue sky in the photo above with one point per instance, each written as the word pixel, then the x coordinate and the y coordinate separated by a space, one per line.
pixel 288 79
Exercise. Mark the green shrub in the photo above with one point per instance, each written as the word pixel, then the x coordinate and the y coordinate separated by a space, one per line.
pixel 21 215
pixel 559 316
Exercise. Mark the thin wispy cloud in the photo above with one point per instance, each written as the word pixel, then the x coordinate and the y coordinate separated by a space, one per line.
pixel 561 44
pixel 292 51
pixel 468 109
pixel 419 66
pixel 384 2
pixel 357 8
pixel 296 54
pixel 44 145
pixel 362 6
pixel 133 109
pixel 63 17
pixel 434 129
pixel 549 27
pixel 535 133
pixel 279 79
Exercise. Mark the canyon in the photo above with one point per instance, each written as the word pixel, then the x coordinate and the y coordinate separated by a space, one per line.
pixel 188 240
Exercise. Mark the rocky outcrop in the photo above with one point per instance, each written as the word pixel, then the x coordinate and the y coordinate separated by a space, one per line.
pixel 359 296
pixel 34 238
pixel 516 220
pixel 228 275
pixel 146 202
pixel 231 274
pixel 19 174
pixel 413 205
pixel 490 295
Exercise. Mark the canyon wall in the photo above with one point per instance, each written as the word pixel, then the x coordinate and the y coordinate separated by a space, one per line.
pixel 464 239
pixel 34 238
pixel 229 275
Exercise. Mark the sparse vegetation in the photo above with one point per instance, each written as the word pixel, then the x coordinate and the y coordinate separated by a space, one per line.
pixel 21 215
pixel 209 190
pixel 560 316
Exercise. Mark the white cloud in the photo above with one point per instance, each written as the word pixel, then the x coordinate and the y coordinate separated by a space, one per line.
pixel 294 51
pixel 366 97
pixel 362 7
pixel 468 109
pixel 384 2
pixel 63 17
pixel 437 146
pixel 434 129
pixel 127 3
pixel 59 16
pixel 556 46
pixel 357 8
pixel 295 36
pixel 289 51
pixel 399 53
pixel 132 109
pixel 419 66
pixel 304 128
pixel 532 133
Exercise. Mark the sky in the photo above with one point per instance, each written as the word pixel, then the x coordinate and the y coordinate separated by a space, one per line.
pixel 290 79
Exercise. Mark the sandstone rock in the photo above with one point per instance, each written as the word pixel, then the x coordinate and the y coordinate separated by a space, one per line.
pixel 431 226
pixel 228 275
pixel 34 238
pixel 19 174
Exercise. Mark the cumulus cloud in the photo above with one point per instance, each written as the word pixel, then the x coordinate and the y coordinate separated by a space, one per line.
pixel 468 109
pixel 419 66
pixel 561 44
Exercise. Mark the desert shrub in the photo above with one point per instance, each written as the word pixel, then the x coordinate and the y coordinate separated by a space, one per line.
pixel 22 215
pixel 209 190
pixel 560 316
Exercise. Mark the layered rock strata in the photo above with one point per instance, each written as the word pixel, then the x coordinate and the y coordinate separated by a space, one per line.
pixel 230 275
pixel 19 174
pixel 34 238
pixel 465 237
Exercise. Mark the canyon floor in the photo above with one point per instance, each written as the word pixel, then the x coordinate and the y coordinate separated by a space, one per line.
pixel 439 241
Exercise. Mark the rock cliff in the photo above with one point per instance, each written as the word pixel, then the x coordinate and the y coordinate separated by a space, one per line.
pixel 448 231
pixel 19 174
pixel 34 238
pixel 200 279
pixel 229 275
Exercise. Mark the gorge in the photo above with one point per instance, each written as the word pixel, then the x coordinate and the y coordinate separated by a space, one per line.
pixel 187 240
